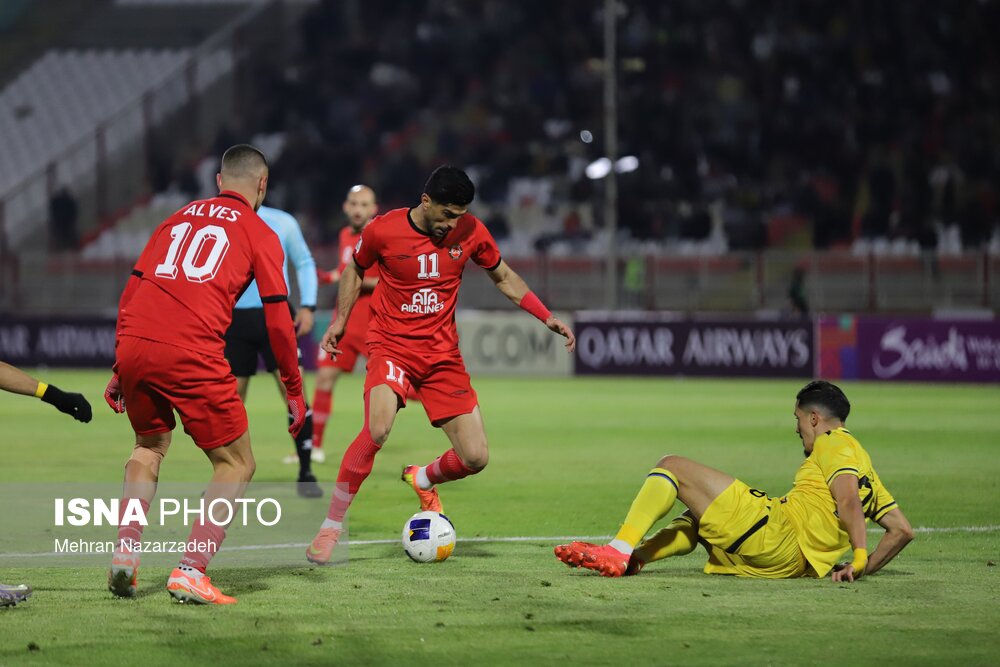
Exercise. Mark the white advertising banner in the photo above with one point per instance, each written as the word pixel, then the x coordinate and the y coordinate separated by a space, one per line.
pixel 511 343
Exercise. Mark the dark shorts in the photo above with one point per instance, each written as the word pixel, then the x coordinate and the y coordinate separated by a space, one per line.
pixel 247 341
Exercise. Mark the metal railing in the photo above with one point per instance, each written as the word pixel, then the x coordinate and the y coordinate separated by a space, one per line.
pixel 738 282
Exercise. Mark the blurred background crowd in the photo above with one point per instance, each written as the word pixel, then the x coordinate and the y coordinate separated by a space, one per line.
pixel 766 123
pixel 866 127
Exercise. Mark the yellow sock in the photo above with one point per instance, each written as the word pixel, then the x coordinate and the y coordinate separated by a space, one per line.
pixel 678 538
pixel 653 501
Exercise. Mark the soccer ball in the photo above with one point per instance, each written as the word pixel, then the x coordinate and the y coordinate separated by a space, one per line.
pixel 428 537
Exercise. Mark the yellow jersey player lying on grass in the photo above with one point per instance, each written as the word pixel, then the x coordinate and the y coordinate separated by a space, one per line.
pixel 747 533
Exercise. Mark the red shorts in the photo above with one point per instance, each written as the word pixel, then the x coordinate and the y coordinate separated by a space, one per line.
pixel 440 380
pixel 157 379
pixel 351 346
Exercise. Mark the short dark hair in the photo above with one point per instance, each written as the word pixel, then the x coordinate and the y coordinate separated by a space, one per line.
pixel 826 396
pixel 243 161
pixel 450 185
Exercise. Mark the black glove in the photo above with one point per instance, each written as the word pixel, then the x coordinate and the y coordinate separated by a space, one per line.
pixel 72 404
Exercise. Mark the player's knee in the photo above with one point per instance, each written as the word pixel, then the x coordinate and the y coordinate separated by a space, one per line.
pixel 325 381
pixel 379 432
pixel 671 462
pixel 477 459
pixel 146 457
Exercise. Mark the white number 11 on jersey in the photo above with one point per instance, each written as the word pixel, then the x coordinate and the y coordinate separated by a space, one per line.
pixel 423 266
pixel 395 373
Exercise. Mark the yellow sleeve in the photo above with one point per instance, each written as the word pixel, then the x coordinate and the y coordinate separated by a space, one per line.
pixel 884 502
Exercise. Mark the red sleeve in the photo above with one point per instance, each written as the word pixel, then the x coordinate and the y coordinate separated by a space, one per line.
pixel 145 264
pixel 366 250
pixel 268 259
pixel 281 333
pixel 485 252
pixel 344 251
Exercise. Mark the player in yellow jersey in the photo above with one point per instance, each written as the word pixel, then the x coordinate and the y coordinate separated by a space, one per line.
pixel 747 533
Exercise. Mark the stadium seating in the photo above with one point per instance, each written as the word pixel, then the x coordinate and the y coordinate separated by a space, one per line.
pixel 64 96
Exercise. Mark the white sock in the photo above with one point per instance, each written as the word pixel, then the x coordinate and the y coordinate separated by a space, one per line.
pixel 622 546
pixel 422 480
pixel 191 571
pixel 330 523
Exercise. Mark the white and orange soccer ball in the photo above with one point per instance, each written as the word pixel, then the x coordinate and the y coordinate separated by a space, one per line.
pixel 428 537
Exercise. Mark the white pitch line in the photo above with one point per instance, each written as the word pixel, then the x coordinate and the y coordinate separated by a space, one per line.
pixel 519 538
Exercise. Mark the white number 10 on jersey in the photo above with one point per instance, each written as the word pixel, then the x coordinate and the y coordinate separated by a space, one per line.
pixel 209 267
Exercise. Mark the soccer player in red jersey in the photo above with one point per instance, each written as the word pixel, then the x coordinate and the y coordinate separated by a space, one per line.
pixel 359 206
pixel 421 253
pixel 172 317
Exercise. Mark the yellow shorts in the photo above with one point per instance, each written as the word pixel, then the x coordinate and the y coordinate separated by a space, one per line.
pixel 748 535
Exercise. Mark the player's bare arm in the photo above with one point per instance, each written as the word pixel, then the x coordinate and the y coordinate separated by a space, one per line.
pixel 17 381
pixel 898 533
pixel 350 289
pixel 845 493
pixel 304 321
pixel 512 286
pixel 330 277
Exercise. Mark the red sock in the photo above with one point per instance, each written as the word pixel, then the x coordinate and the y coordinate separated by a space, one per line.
pixel 131 531
pixel 447 468
pixel 322 409
pixel 206 537
pixel 354 469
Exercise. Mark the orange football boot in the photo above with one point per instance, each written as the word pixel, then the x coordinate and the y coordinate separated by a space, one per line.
pixel 322 546
pixel 186 588
pixel 429 500
pixel 602 558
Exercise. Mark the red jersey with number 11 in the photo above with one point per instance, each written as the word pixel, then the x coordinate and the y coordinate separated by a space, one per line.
pixel 413 304
pixel 195 266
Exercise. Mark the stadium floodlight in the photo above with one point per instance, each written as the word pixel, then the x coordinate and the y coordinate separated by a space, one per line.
pixel 601 167
pixel 598 169
pixel 626 164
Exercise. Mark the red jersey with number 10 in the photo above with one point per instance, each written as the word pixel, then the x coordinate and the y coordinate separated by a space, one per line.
pixel 414 301
pixel 195 266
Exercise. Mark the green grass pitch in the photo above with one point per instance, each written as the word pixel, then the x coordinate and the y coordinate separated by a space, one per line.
pixel 567 456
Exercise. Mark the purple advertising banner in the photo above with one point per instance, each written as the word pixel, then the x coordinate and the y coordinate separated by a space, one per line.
pixel 609 345
pixel 79 343
pixel 928 350
pixel 58 342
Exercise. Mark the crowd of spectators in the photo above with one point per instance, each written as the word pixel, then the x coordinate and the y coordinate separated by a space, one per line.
pixel 806 124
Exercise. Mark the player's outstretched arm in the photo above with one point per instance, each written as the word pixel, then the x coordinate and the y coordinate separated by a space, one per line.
pixel 512 286
pixel 17 381
pixel 845 492
pixel 898 533
pixel 347 295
